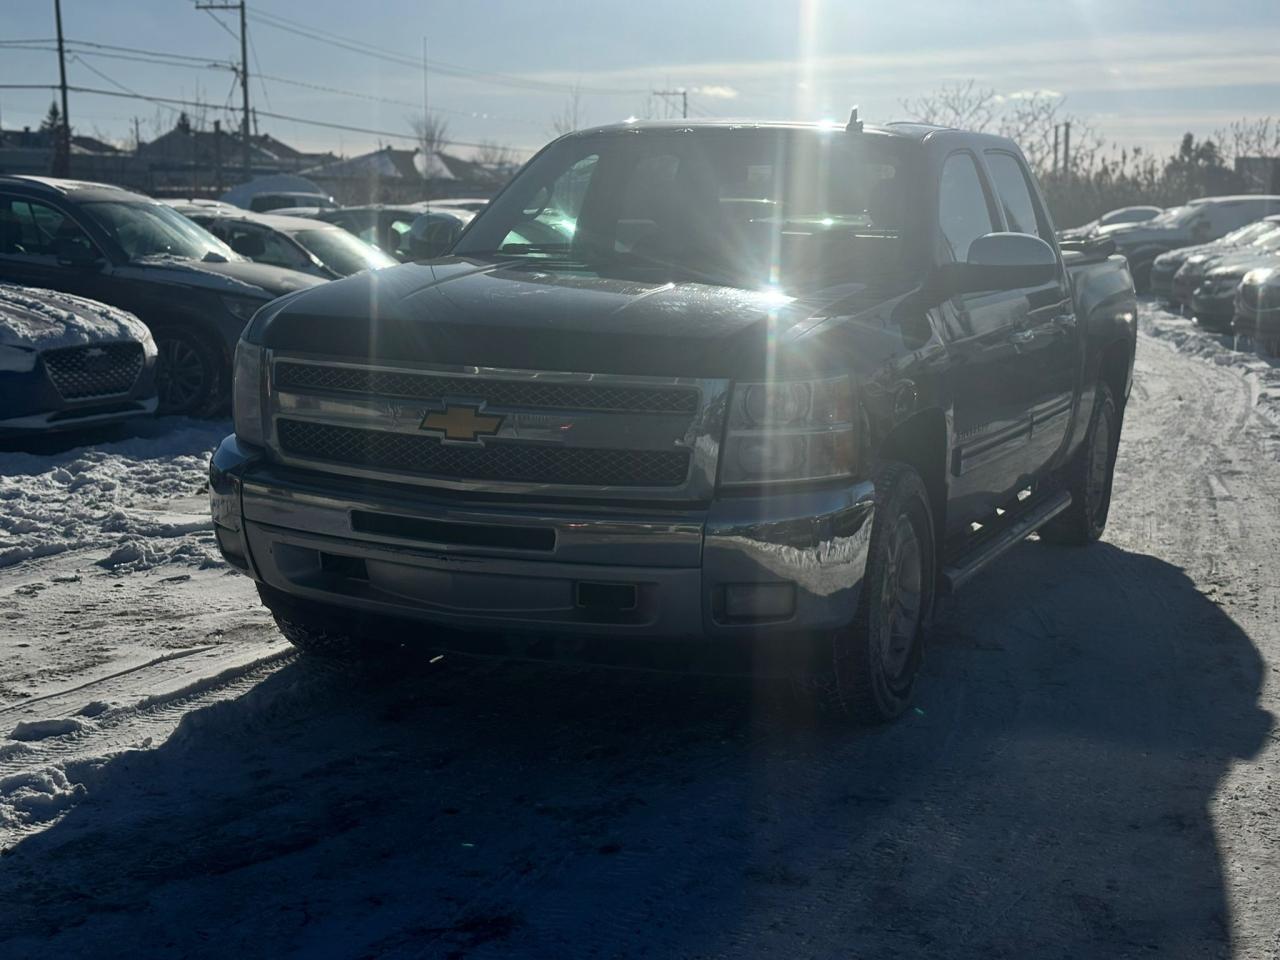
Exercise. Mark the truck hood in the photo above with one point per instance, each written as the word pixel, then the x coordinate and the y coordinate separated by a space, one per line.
pixel 242 278
pixel 468 312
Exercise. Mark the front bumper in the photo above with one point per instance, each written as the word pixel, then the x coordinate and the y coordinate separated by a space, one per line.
pixel 738 567
pixel 1162 280
pixel 1214 310
pixel 1260 322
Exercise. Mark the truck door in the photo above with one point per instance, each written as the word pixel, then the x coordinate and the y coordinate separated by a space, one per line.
pixel 1049 344
pixel 989 379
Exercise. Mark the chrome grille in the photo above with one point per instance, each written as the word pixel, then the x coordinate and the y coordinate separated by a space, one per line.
pixel 606 435
pixel 104 370
pixel 304 377
pixel 510 462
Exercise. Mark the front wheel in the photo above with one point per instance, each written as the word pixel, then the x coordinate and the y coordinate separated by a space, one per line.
pixel 189 372
pixel 867 671
pixel 1089 478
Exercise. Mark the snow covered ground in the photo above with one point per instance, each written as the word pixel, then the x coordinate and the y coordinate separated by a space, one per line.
pixel 1093 769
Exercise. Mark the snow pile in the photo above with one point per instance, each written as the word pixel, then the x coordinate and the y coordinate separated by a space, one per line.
pixel 1185 335
pixel 113 496
pixel 37 797
pixel 45 319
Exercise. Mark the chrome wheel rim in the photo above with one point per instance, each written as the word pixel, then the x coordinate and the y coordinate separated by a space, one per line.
pixel 180 376
pixel 901 600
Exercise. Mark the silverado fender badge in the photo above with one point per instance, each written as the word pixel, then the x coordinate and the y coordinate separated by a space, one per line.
pixel 462 423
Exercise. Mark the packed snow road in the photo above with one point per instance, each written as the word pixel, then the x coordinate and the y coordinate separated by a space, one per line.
pixel 1093 769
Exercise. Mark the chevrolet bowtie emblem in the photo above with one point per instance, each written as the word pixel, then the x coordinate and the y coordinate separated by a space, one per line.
pixel 462 423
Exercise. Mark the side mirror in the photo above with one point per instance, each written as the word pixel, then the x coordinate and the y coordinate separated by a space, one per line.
pixel 72 252
pixel 1000 261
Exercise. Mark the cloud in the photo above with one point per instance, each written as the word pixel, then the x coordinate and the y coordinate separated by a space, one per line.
pixel 1035 95
pixel 716 91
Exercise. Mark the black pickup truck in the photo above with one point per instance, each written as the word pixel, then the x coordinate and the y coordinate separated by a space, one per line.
pixel 704 387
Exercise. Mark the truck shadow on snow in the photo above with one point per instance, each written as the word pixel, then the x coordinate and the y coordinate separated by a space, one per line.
pixel 1050 797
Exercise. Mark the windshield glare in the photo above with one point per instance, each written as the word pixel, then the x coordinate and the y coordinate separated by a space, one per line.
pixel 343 252
pixel 747 208
pixel 155 230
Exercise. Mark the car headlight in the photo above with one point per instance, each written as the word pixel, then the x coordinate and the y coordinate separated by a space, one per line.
pixel 16 359
pixel 789 430
pixel 1216 286
pixel 247 393
pixel 242 308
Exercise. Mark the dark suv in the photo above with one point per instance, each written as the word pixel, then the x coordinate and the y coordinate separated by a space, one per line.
pixel 126 250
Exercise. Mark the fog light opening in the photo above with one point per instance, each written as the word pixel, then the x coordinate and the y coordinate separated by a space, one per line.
pixel 759 601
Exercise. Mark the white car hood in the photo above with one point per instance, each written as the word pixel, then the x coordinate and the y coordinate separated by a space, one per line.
pixel 46 319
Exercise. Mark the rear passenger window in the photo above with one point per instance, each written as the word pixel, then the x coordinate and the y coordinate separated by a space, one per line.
pixel 963 212
pixel 1014 194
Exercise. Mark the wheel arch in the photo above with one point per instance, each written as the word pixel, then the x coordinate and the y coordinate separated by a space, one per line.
pixel 920 441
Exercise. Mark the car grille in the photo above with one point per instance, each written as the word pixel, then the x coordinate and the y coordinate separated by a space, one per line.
pixel 103 370
pixel 1249 294
pixel 302 377
pixel 512 462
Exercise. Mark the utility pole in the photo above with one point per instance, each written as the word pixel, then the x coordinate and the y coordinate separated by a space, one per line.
pixel 1055 146
pixel 62 153
pixel 217 156
pixel 1066 148
pixel 682 94
pixel 244 75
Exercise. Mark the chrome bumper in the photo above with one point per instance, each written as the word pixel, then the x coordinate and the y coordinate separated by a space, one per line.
pixel 680 573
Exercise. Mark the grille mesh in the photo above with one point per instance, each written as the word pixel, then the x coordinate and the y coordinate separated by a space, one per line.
pixel 503 393
pixel 510 462
pixel 94 371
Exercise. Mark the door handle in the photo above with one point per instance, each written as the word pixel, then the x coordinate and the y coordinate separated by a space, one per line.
pixel 1022 336
pixel 1065 322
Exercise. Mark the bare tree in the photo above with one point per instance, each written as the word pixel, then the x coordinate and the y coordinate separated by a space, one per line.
pixel 570 116
pixel 432 131
pixel 494 155
pixel 965 106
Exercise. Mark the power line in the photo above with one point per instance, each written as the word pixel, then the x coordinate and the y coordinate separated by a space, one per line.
pixel 73 47
pixel 264 113
pixel 435 66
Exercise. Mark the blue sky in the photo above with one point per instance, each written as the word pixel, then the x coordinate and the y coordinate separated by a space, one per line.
pixel 1141 72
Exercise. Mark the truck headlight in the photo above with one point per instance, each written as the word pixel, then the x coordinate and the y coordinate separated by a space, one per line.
pixel 788 430
pixel 247 392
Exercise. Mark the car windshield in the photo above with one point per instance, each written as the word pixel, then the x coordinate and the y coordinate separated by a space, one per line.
pixel 155 230
pixel 750 208
pixel 343 252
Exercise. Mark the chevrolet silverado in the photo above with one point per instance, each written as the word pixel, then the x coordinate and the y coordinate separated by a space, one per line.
pixel 709 387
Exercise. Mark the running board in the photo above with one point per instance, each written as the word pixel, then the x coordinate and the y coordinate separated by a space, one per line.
pixel 971 564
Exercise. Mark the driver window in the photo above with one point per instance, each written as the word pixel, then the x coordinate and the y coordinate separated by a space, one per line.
pixel 963 212
pixel 36 230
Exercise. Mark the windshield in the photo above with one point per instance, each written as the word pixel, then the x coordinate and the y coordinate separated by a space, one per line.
pixel 342 252
pixel 155 230
pixel 794 209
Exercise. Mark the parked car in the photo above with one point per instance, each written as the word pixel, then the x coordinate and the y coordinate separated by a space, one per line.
pixel 386 226
pixel 1166 265
pixel 104 243
pixel 311 246
pixel 775 427
pixel 67 362
pixel 1199 222
pixel 262 202
pixel 1213 303
pixel 1228 262
pixel 1257 309
pixel 1135 214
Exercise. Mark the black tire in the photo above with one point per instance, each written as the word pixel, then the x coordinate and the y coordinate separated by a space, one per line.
pixel 1088 478
pixel 866 672
pixel 1141 273
pixel 190 371
pixel 319 641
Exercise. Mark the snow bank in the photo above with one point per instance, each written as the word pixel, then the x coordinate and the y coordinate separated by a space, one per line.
pixel 1186 336
pixel 46 319
pixel 113 496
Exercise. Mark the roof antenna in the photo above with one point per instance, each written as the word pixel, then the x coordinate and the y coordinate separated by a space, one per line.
pixel 854 125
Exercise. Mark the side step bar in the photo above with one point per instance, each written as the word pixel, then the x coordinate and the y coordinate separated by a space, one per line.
pixel 970 564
